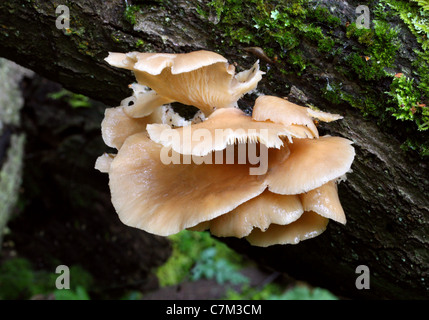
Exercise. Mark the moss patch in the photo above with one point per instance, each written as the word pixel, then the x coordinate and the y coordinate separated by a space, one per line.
pixel 288 28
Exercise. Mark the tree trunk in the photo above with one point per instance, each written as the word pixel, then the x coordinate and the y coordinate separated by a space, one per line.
pixel 11 142
pixel 315 54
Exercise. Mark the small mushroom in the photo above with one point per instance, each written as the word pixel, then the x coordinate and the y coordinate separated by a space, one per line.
pixel 222 128
pixel 165 199
pixel 282 111
pixel 308 226
pixel 308 164
pixel 143 101
pixel 202 79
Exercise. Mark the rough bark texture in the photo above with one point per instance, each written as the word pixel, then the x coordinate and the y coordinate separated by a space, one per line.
pixel 386 196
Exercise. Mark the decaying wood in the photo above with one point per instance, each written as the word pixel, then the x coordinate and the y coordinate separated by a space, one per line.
pixel 385 197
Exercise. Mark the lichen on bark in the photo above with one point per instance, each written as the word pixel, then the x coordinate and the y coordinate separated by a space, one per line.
pixel 11 144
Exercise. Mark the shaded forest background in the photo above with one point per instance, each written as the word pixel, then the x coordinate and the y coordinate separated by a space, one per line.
pixel 313 53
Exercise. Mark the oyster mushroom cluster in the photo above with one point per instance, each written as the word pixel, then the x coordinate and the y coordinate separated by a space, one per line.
pixel 268 177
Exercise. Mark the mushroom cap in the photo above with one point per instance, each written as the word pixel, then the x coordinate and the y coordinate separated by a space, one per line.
pixel 323 116
pixel 118 126
pixel 324 201
pixel 155 63
pixel 308 226
pixel 104 162
pixel 282 111
pixel 143 101
pixel 308 164
pixel 165 199
pixel 259 212
pixel 222 128
pixel 202 79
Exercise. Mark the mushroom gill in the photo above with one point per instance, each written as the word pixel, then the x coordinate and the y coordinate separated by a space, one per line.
pixel 270 211
pixel 222 128
pixel 308 226
pixel 260 212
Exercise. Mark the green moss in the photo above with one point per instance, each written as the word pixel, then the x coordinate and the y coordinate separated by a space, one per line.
pixel 416 17
pixel 274 291
pixel 130 13
pixel 75 100
pixel 140 43
pixel 322 14
pixel 278 27
pixel 326 44
pixel 283 28
pixel 19 280
pixel 189 250
pixel 421 148
pixel 333 93
pixel 298 61
pixel 407 103
pixel 380 46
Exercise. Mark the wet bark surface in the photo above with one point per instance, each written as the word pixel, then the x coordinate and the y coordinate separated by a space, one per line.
pixel 385 197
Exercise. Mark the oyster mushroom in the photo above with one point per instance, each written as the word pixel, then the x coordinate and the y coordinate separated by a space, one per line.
pixel 165 199
pixel 290 202
pixel 278 110
pixel 202 79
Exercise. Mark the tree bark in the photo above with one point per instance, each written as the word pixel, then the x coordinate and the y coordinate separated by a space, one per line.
pixel 385 197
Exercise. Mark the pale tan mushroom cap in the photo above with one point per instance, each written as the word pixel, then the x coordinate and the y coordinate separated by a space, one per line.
pixel 118 126
pixel 308 226
pixel 224 127
pixel 324 201
pixel 165 199
pixel 104 162
pixel 202 78
pixel 323 116
pixel 279 110
pixel 143 102
pixel 155 63
pixel 260 212
pixel 308 164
